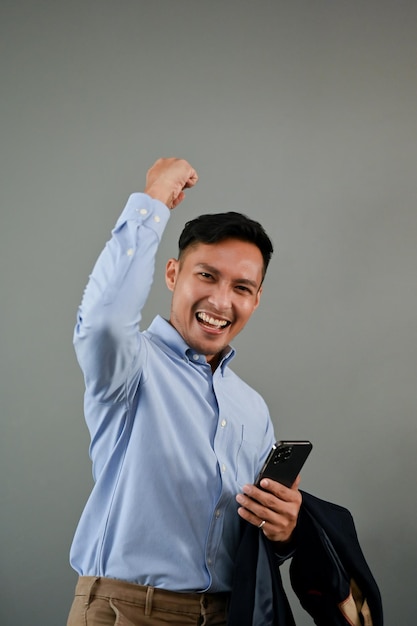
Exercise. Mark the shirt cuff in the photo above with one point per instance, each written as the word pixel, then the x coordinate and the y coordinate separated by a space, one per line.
pixel 145 210
pixel 284 551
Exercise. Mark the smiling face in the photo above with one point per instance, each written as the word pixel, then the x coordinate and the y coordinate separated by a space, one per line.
pixel 216 288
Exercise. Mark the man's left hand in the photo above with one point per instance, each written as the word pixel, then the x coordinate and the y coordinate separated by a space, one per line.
pixel 274 504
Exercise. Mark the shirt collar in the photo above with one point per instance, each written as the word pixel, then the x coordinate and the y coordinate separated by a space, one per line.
pixel 165 333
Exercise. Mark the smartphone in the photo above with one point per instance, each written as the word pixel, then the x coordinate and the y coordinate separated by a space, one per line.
pixel 285 461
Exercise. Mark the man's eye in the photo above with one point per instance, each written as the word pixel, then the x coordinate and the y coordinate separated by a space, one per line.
pixel 243 288
pixel 205 275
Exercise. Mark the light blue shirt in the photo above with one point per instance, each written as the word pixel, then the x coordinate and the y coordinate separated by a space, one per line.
pixel 171 442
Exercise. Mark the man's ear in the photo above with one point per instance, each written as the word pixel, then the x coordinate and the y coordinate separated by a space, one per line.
pixel 171 273
pixel 258 297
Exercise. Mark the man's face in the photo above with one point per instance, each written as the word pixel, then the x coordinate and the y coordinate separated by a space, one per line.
pixel 216 288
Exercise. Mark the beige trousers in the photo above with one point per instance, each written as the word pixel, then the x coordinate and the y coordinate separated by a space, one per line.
pixel 109 602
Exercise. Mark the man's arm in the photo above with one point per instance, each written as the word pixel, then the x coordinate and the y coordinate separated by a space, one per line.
pixel 107 336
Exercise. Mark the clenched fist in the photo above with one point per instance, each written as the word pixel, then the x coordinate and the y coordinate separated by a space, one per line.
pixel 167 179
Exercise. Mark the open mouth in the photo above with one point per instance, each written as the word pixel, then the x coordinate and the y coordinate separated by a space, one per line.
pixel 211 322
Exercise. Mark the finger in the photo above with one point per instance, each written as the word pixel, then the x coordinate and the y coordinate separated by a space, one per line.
pixel 176 201
pixel 250 517
pixel 271 490
pixel 274 527
pixel 255 511
pixel 281 491
pixel 280 517
pixel 296 482
pixel 266 505
pixel 192 179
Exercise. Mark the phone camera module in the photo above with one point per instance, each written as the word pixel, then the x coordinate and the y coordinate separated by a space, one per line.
pixel 283 455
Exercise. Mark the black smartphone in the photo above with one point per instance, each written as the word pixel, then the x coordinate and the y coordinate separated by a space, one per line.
pixel 285 461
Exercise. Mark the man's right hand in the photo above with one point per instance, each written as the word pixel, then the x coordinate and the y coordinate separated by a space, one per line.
pixel 167 179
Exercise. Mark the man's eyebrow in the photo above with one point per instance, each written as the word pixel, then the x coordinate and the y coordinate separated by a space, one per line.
pixel 247 281
pixel 213 270
pixel 209 268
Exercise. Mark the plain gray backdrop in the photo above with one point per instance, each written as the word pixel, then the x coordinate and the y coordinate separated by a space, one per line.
pixel 301 114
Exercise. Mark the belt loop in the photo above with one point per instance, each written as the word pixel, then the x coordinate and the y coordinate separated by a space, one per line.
pixel 148 601
pixel 90 590
pixel 204 602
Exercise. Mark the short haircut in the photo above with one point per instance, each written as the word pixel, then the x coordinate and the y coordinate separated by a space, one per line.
pixel 215 227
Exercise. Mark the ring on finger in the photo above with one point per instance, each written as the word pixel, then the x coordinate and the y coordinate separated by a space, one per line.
pixel 262 524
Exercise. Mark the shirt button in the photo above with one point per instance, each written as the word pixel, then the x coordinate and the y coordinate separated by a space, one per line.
pixel 157 219
pixel 130 252
pixel 196 357
pixel 223 467
pixel 217 513
pixel 223 423
pixel 143 211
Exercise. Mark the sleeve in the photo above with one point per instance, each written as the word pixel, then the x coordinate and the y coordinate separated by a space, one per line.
pixel 106 336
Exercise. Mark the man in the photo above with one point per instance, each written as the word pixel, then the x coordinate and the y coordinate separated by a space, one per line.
pixel 177 438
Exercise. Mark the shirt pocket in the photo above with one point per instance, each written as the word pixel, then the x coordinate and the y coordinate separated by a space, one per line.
pixel 247 459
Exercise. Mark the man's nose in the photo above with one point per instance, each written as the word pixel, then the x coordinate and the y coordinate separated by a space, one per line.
pixel 221 298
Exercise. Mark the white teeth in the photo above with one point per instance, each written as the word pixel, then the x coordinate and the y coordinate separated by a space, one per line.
pixel 211 320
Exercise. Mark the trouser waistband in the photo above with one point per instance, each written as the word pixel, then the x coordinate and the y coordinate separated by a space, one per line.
pixel 150 597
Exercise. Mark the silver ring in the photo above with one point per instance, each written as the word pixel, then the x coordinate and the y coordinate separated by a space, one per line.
pixel 262 524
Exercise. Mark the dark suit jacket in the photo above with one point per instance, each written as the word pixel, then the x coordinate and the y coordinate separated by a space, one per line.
pixel 328 573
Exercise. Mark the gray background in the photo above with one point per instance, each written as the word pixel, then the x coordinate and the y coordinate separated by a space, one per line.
pixel 301 114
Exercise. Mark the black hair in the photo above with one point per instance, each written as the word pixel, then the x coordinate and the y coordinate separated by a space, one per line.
pixel 216 227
